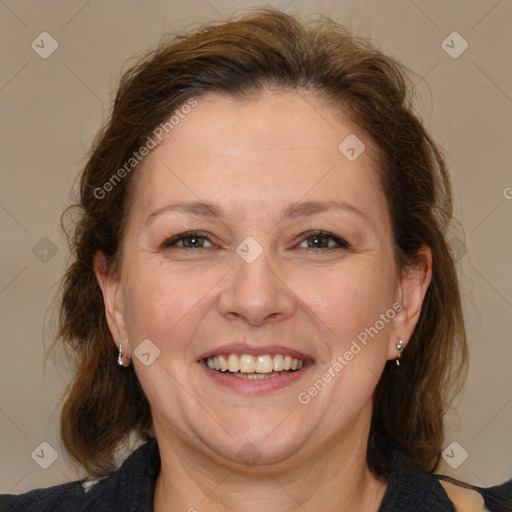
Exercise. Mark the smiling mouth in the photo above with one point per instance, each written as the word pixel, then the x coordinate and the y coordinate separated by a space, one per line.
pixel 249 367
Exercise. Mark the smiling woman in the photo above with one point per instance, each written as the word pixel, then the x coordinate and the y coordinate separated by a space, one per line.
pixel 285 240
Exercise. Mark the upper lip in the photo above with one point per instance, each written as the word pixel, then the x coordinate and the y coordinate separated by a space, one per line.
pixel 255 350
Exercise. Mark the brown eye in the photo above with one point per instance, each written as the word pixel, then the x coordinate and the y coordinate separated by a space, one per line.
pixel 323 240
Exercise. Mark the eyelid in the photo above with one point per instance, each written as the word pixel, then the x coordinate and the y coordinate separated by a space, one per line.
pixel 339 241
pixel 171 241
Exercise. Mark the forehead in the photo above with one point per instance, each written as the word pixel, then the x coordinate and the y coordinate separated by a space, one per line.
pixel 275 147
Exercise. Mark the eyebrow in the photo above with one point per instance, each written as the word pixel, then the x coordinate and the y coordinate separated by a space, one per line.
pixel 292 211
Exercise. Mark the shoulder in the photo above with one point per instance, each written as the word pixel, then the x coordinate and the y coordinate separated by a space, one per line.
pixel 466 497
pixel 411 487
pixel 464 500
pixel 57 498
pixel 132 484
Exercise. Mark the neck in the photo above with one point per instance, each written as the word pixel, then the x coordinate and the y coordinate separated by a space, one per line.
pixel 334 479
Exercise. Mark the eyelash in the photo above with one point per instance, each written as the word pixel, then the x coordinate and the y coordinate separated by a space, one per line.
pixel 341 244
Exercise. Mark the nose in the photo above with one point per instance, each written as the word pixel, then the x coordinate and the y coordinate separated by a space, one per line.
pixel 256 292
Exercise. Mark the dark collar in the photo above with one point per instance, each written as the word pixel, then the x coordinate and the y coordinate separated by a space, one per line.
pixel 131 487
pixel 411 488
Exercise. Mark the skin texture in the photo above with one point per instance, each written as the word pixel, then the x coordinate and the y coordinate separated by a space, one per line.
pixel 251 159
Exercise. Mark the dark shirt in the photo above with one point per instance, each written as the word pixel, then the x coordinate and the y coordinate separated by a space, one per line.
pixel 130 489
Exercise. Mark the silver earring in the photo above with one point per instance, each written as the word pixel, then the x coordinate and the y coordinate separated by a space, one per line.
pixel 120 355
pixel 399 348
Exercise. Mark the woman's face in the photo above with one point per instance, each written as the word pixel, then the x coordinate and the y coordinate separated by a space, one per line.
pixel 291 255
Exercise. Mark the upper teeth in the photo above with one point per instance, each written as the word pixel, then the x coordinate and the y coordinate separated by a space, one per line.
pixel 250 364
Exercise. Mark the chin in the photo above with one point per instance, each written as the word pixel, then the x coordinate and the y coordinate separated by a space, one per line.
pixel 258 443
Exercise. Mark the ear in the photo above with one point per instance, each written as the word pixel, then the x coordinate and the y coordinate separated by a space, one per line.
pixel 411 292
pixel 113 300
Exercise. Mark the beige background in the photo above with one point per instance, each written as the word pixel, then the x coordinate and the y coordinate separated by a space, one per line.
pixel 51 108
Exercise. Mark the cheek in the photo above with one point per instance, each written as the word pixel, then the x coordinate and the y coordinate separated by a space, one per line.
pixel 349 298
pixel 158 300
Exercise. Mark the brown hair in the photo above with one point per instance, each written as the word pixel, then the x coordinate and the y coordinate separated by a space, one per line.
pixel 266 48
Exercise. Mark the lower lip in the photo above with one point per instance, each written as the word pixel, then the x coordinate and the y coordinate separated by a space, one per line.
pixel 255 386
